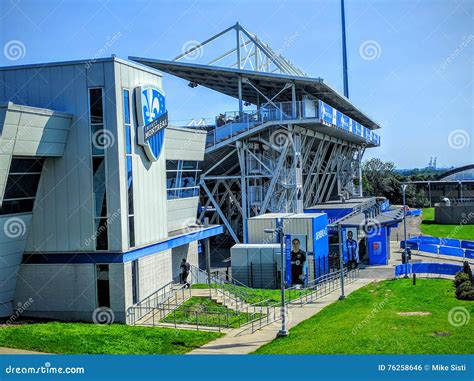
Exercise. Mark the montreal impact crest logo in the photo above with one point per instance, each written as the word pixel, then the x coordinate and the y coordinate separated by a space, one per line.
pixel 152 120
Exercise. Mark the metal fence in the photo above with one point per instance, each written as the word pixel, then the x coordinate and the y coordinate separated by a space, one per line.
pixel 166 307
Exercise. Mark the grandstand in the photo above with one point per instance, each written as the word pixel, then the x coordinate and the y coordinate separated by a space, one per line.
pixel 292 143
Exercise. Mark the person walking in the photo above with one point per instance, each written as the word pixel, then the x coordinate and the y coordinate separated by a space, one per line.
pixel 185 269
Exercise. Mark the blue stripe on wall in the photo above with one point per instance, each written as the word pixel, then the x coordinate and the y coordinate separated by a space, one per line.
pixel 98 257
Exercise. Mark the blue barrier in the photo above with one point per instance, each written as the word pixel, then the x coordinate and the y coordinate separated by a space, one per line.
pixel 467 244
pixel 428 268
pixel 450 242
pixel 445 246
pixel 410 245
pixel 446 250
pixel 428 248
pixel 414 212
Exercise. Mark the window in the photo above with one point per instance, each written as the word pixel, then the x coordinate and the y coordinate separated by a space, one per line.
pixel 22 184
pixel 103 286
pixel 135 281
pixel 129 166
pixel 96 107
pixel 182 179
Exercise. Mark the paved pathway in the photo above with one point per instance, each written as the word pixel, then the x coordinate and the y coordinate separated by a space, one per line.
pixel 243 341
pixel 11 351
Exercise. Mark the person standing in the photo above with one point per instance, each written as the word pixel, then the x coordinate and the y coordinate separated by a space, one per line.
pixel 185 269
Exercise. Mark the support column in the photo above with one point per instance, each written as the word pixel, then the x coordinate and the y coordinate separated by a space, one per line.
pixel 243 188
pixel 298 165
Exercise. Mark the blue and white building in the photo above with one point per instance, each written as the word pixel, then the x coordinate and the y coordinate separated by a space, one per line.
pixel 98 195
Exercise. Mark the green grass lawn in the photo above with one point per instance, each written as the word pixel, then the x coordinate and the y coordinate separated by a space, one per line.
pixel 429 227
pixel 367 322
pixel 83 338
pixel 205 311
pixel 264 297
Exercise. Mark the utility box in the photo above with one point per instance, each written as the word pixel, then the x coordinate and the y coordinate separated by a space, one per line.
pixel 309 236
pixel 256 227
pixel 256 265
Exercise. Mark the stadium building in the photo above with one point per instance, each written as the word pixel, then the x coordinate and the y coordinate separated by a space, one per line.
pixel 98 195
pixel 101 199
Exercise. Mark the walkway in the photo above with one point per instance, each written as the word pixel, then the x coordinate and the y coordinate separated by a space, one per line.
pixel 243 341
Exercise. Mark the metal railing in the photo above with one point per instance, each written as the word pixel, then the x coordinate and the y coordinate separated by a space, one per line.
pixel 166 306
pixel 141 309
pixel 232 123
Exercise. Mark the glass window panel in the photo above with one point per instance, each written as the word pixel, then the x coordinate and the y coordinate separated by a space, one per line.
pixel 21 186
pixel 171 165
pixel 99 139
pixel 16 206
pixel 131 229
pixel 22 165
pixel 187 165
pixel 103 286
pixel 101 241
pixel 126 107
pixel 188 179
pixel 96 107
pixel 100 196
pixel 128 140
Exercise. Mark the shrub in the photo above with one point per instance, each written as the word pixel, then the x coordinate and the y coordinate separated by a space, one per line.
pixel 460 278
pixel 467 270
pixel 465 291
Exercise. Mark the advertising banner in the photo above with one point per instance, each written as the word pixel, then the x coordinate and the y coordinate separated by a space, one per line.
pixel 350 245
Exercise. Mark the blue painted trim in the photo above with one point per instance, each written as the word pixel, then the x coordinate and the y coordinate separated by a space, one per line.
pixel 118 257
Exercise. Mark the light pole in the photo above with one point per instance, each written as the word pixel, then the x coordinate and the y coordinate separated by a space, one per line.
pixel 281 236
pixel 341 261
pixel 405 255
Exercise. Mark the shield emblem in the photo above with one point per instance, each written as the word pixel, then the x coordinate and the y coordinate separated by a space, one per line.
pixel 152 120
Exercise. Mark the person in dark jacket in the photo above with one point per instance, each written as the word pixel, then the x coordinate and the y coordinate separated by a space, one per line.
pixel 185 269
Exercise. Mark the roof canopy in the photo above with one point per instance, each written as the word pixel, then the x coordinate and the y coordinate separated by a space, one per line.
pixel 225 80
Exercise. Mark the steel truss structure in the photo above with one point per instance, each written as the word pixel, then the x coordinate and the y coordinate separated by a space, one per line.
pixel 278 156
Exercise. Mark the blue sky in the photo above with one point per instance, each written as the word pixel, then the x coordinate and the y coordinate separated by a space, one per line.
pixel 418 84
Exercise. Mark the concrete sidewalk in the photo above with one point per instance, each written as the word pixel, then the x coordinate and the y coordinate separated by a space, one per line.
pixel 243 341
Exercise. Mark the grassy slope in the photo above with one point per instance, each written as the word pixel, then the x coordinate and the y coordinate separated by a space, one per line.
pixel 428 227
pixel 258 295
pixel 206 312
pixel 83 338
pixel 383 331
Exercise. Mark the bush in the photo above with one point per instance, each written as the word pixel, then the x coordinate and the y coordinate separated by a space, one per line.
pixel 467 270
pixel 460 278
pixel 465 291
